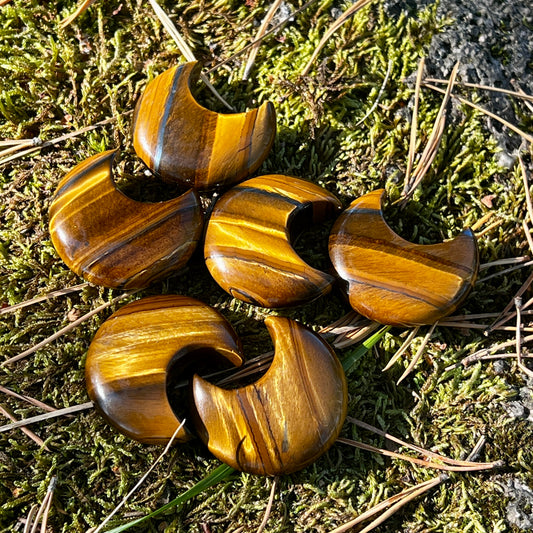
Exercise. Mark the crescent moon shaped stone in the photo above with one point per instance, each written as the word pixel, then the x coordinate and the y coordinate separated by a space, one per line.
pixel 393 281
pixel 285 420
pixel 143 345
pixel 248 240
pixel 186 143
pixel 114 241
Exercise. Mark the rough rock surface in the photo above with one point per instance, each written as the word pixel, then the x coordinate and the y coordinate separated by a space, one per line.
pixel 520 508
pixel 492 40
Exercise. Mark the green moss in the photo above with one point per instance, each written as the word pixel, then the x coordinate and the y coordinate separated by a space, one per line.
pixel 54 81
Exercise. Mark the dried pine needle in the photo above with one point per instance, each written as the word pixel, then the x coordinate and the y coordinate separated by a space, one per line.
pixel 359 4
pixel 184 47
pixel 518 94
pixel 141 480
pixel 396 502
pixel 418 354
pixel 38 299
pixel 8 414
pixel 66 329
pixel 47 416
pixel 268 509
pixel 432 146
pixel 82 6
pixel 506 123
pixel 258 39
pixel 518 341
pixel 414 127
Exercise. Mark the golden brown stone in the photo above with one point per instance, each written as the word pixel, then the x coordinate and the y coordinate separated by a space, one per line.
pixel 285 420
pixel 114 241
pixel 393 281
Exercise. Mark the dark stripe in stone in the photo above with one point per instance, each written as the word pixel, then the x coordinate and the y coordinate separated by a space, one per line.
pixel 169 103
pixel 114 248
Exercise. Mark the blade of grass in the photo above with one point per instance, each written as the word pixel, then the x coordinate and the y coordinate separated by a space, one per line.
pixel 219 474
pixel 360 351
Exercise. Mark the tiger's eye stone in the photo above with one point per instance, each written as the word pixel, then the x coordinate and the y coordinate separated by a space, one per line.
pixel 248 240
pixel 393 281
pixel 114 241
pixel 186 143
pixel 286 419
pixel 135 351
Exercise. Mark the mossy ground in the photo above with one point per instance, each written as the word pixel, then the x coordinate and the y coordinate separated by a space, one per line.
pixel 54 81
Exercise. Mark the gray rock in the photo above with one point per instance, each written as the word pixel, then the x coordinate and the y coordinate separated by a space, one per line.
pixel 526 398
pixel 493 41
pixel 520 507
pixel 515 410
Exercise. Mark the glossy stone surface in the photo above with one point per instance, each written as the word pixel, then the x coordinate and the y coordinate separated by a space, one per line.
pixel 114 241
pixel 133 352
pixel 286 419
pixel 393 281
pixel 248 246
pixel 186 143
